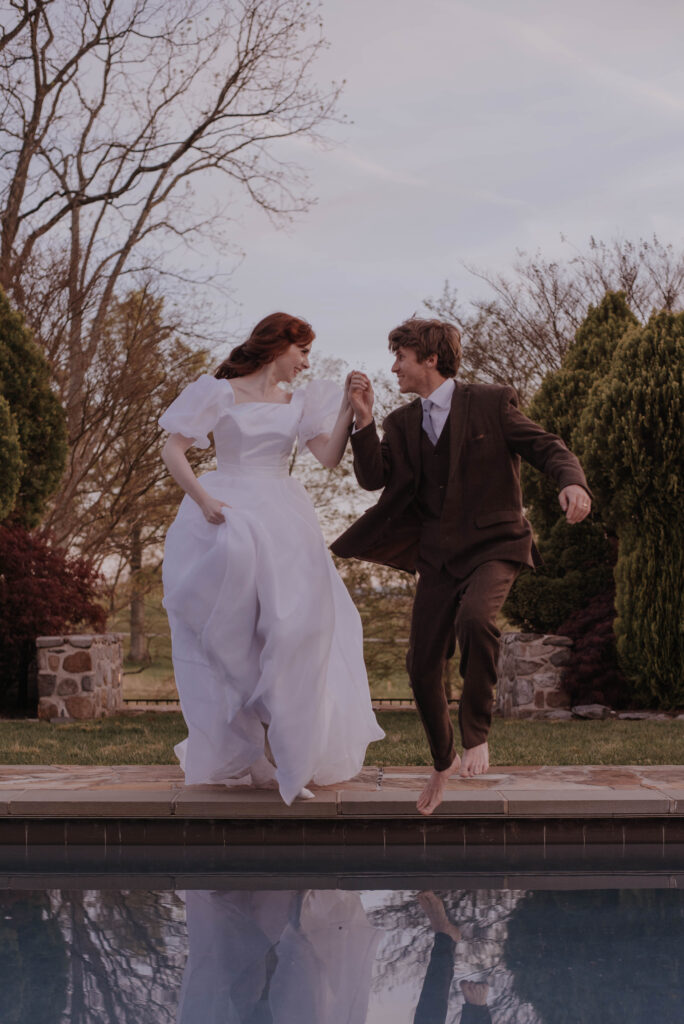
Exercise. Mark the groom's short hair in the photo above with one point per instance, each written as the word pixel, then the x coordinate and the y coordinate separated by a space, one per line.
pixel 427 338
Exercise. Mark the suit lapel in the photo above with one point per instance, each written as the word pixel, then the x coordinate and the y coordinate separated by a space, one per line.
pixel 414 419
pixel 457 420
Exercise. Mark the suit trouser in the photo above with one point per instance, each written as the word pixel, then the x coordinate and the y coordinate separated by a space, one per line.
pixel 447 610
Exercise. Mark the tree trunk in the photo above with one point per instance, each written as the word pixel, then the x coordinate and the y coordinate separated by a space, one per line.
pixel 138 649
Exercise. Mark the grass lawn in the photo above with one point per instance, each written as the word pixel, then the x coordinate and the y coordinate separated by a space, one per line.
pixel 156 681
pixel 149 739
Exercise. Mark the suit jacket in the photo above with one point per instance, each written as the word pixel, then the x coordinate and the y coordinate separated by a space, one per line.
pixel 482 516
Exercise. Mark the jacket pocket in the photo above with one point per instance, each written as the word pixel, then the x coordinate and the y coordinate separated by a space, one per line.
pixel 506 515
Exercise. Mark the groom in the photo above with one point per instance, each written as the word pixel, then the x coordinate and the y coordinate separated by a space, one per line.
pixel 451 509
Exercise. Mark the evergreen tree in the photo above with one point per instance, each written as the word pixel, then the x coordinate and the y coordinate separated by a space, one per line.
pixel 632 447
pixel 578 559
pixel 32 423
pixel 41 588
pixel 10 459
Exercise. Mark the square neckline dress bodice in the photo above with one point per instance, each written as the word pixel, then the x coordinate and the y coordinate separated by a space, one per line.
pixel 264 632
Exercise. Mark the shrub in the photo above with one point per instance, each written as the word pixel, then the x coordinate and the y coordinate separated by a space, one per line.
pixel 578 561
pixel 593 675
pixel 42 591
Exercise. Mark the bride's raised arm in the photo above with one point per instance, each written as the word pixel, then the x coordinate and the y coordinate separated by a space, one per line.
pixel 329 448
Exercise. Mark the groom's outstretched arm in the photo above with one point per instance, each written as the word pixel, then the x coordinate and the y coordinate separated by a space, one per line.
pixel 543 450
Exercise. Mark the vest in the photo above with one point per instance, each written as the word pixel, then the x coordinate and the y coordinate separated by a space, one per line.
pixel 434 474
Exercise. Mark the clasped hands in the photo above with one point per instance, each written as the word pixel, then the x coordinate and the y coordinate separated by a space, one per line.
pixel 359 394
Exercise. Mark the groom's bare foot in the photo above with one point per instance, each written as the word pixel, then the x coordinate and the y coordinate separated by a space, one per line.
pixel 437 915
pixel 433 794
pixel 475 761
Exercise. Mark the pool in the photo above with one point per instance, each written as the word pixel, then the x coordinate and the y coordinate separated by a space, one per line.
pixel 278 937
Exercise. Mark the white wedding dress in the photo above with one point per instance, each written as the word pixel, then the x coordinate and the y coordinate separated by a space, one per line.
pixel 263 629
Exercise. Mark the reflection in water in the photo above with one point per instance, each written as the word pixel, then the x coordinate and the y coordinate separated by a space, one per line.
pixel 90 957
pixel 600 957
pixel 277 958
pixel 337 957
pixel 33 960
pixel 433 1004
pixel 443 956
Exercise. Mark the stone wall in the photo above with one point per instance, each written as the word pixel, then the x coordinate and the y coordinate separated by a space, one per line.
pixel 79 676
pixel 529 676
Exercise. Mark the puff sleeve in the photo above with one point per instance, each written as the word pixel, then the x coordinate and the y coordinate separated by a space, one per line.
pixel 197 409
pixel 321 405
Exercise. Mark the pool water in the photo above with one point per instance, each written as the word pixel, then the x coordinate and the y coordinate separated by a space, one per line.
pixel 334 956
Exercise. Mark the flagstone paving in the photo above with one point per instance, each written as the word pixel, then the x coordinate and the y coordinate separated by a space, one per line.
pixel 93 792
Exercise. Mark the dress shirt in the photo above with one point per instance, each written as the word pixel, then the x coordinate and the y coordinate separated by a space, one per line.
pixel 441 399
pixel 441 404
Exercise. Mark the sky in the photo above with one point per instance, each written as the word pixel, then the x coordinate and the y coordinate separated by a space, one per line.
pixel 474 130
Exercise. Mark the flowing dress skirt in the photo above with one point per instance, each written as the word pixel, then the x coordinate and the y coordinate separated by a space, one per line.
pixel 264 633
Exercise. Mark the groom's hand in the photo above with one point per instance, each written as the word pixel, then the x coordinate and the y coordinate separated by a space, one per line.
pixel 361 398
pixel 575 502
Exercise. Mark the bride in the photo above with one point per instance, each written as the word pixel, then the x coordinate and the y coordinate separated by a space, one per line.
pixel 264 633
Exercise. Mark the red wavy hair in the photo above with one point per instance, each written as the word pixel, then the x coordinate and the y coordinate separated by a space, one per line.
pixel 270 338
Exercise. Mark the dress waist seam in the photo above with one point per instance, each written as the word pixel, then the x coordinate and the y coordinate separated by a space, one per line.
pixel 252 474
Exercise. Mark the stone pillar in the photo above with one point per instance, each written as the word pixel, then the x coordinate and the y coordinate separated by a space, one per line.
pixel 79 676
pixel 529 675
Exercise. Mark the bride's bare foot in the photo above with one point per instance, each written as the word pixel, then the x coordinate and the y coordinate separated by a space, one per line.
pixel 433 794
pixel 475 761
pixel 437 916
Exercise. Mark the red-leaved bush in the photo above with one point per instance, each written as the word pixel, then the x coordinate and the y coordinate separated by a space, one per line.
pixel 593 675
pixel 43 591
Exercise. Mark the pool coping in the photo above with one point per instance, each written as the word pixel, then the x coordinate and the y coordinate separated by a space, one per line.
pixel 118 804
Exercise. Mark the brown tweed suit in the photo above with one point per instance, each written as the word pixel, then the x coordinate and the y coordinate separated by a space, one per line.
pixel 481 539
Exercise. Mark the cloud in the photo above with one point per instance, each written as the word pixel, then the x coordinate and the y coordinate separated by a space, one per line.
pixel 496 199
pixel 377 170
pixel 344 154
pixel 628 85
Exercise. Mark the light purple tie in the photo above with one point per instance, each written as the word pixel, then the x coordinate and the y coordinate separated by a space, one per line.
pixel 427 420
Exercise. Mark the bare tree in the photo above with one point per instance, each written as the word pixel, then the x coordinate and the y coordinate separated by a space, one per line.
pixel 521 330
pixel 140 369
pixel 113 115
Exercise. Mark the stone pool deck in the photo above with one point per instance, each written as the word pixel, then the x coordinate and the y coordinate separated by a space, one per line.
pixel 44 804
